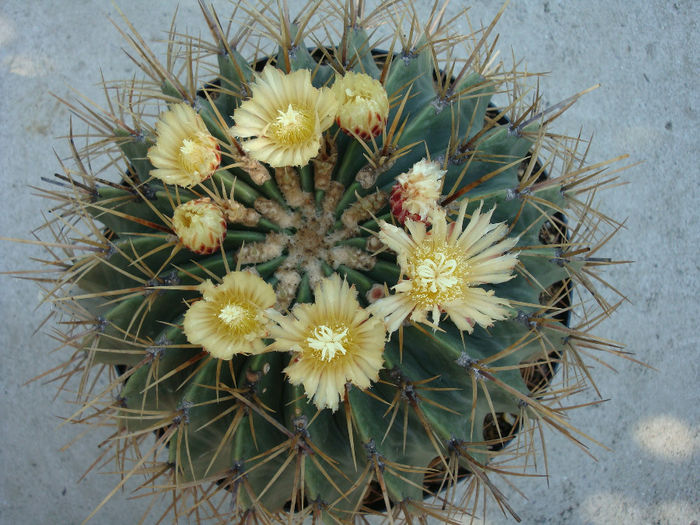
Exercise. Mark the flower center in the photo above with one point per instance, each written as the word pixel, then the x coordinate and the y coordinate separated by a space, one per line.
pixel 199 154
pixel 187 216
pixel 233 314
pixel 292 126
pixel 328 341
pixel 437 276
pixel 242 320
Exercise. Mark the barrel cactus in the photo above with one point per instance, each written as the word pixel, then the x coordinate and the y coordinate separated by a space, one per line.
pixel 326 280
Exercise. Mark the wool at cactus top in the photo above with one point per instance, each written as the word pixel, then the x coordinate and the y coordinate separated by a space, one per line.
pixel 244 340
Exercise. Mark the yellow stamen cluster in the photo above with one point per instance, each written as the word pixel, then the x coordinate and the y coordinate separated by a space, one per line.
pixel 294 125
pixel 328 342
pixel 437 276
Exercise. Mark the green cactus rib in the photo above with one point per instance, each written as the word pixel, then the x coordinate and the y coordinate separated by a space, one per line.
pixel 436 414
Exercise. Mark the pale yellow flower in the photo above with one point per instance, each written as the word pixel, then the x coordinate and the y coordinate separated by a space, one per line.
pixel 363 104
pixel 334 340
pixel 230 319
pixel 200 225
pixel 184 153
pixel 443 269
pixel 286 116
pixel 416 192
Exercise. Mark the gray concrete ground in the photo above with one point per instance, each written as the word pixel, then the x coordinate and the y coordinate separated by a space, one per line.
pixel 645 55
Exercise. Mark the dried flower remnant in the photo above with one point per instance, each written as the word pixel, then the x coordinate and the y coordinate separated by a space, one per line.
pixel 334 340
pixel 230 319
pixel 444 269
pixel 184 153
pixel 416 192
pixel 284 120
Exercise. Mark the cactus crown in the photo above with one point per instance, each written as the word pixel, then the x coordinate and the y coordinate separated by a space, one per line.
pixel 328 281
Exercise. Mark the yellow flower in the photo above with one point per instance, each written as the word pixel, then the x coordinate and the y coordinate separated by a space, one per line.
pixel 443 269
pixel 416 192
pixel 334 341
pixel 364 104
pixel 286 115
pixel 200 225
pixel 184 153
pixel 230 319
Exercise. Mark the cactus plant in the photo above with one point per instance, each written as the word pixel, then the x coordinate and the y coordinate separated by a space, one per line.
pixel 326 281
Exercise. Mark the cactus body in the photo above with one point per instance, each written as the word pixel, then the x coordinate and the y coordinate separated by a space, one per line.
pixel 447 400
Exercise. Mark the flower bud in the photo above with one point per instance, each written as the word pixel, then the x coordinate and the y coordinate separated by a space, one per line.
pixel 363 105
pixel 200 225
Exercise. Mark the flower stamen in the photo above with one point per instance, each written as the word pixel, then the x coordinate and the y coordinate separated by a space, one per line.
pixel 233 314
pixel 292 126
pixel 328 341
pixel 437 274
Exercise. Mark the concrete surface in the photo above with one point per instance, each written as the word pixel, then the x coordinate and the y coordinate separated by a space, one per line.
pixel 645 54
